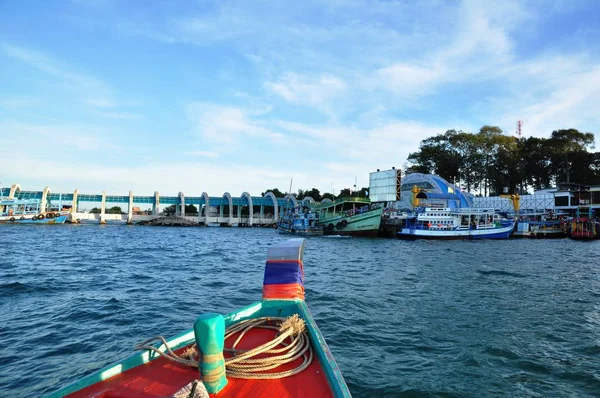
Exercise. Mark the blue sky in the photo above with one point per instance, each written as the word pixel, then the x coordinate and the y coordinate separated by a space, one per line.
pixel 237 96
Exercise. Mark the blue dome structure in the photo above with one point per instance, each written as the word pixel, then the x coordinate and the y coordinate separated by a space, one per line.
pixel 434 191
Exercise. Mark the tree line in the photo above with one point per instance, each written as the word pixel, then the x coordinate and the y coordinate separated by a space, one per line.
pixel 317 196
pixel 494 163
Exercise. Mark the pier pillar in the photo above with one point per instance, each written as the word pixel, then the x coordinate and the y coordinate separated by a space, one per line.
pixel 250 208
pixel 206 208
pixel 262 213
pixel 44 200
pixel 103 208
pixel 130 209
pixel 181 211
pixel 227 196
pixel 156 205
pixel 75 203
pixel 275 205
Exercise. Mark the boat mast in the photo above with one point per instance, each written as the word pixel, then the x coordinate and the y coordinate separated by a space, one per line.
pixel 287 204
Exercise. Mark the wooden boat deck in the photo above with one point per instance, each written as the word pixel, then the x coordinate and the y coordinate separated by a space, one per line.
pixel 162 378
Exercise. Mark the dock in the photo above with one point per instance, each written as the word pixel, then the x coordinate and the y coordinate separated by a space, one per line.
pixel 225 210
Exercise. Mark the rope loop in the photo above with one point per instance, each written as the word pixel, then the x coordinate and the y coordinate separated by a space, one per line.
pixel 290 343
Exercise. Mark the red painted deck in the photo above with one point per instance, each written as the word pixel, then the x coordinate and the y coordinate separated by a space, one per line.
pixel 161 378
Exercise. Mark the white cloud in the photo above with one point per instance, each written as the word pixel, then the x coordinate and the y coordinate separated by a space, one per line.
pixel 119 115
pixel 205 154
pixel 226 125
pixel 192 178
pixel 570 101
pixel 90 90
pixel 316 92
pixel 406 80
pixel 39 137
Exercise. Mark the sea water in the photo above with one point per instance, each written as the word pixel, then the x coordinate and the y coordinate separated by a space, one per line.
pixel 402 318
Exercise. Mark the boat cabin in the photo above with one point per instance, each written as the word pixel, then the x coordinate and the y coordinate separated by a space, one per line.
pixel 14 207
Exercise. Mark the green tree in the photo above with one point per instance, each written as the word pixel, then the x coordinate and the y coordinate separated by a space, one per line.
pixel 276 192
pixel 114 210
pixel 190 210
pixel 491 161
pixel 95 210
pixel 327 195
pixel 490 138
pixel 313 193
pixel 344 193
pixel 536 162
pixel 566 147
pixel 437 155
pixel 470 164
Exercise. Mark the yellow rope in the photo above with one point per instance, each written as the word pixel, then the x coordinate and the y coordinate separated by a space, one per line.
pixel 244 364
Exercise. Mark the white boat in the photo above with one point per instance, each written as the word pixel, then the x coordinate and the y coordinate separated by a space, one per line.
pixel 449 223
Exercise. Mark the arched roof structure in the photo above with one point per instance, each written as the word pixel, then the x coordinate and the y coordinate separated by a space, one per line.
pixel 44 199
pixel 291 198
pixel 250 206
pixel 272 196
pixel 227 196
pixel 434 187
pixel 13 190
pixel 307 200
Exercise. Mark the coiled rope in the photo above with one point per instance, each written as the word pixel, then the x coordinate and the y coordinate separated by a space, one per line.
pixel 245 364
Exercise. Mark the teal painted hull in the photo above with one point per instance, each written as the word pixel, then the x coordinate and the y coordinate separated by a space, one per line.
pixel 56 220
pixel 361 224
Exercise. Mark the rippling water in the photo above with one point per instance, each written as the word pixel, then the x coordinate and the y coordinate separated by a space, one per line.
pixel 485 318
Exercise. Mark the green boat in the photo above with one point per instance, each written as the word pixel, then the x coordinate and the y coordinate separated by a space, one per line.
pixel 349 216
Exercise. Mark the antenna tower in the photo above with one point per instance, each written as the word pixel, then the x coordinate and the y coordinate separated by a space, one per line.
pixel 519 126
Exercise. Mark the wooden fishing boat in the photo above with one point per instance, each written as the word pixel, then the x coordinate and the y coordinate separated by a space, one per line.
pixel 583 226
pixel 28 211
pixel 350 216
pixel 269 348
pixel 300 221
pixel 539 225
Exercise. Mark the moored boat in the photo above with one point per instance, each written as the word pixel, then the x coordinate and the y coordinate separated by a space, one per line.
pixel 539 226
pixel 350 216
pixel 462 223
pixel 300 221
pixel 269 348
pixel 583 226
pixel 28 211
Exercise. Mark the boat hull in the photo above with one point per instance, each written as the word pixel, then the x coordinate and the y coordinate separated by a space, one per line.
pixel 364 224
pixel 28 219
pixel 300 232
pixel 326 377
pixel 311 373
pixel 488 233
pixel 583 238
pixel 539 229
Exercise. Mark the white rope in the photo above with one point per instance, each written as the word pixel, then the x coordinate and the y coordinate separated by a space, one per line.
pixel 245 364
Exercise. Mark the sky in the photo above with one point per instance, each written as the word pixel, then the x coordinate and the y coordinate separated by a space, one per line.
pixel 245 96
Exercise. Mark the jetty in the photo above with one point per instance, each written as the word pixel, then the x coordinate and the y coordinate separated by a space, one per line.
pixel 225 210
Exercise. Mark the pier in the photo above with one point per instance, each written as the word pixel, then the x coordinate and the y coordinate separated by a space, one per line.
pixel 225 210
